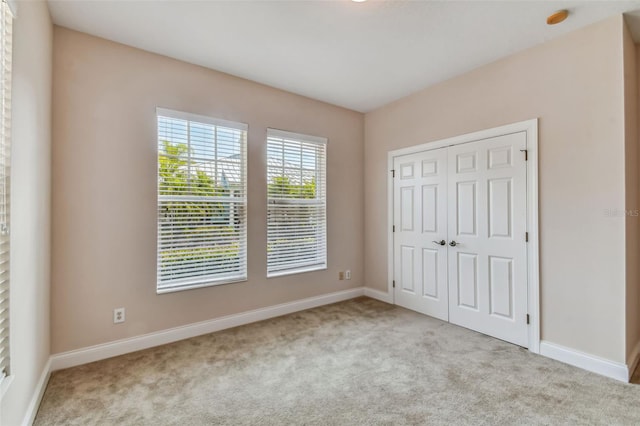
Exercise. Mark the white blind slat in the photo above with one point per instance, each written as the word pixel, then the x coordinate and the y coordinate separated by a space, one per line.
pixel 201 201
pixel 296 206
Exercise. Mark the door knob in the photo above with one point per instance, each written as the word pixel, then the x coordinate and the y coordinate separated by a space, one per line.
pixel 453 243
pixel 441 242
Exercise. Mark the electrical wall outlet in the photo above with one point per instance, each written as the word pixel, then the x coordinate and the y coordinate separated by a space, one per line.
pixel 347 274
pixel 118 315
pixel 341 275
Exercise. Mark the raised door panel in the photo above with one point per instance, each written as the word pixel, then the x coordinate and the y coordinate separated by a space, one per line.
pixel 430 167
pixel 500 157
pixel 501 287
pixel 430 206
pixel 466 162
pixel 500 207
pixel 466 208
pixel 467 273
pixel 406 208
pixel 407 278
pixel 406 171
pixel 430 273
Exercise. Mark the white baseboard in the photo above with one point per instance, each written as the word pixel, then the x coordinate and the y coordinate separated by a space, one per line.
pixel 41 386
pixel 377 294
pixel 635 358
pixel 145 341
pixel 605 367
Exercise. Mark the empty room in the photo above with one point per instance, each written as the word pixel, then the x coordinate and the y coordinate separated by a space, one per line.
pixel 340 212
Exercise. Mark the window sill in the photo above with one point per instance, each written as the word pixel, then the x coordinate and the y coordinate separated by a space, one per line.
pixel 296 271
pixel 197 285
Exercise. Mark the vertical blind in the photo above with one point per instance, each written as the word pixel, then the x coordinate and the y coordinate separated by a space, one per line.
pixel 296 210
pixel 6 21
pixel 202 201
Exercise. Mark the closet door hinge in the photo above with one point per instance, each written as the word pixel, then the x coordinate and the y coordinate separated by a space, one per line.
pixel 393 229
pixel 394 283
pixel 527 318
pixel 393 173
pixel 526 237
pixel 526 154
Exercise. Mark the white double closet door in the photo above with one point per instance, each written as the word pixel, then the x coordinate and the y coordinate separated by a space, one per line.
pixel 460 252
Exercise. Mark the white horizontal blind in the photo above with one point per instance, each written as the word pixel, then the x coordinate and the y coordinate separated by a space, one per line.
pixel 202 201
pixel 6 22
pixel 296 211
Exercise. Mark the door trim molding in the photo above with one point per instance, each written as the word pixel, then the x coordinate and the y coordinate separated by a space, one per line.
pixel 533 263
pixel 530 127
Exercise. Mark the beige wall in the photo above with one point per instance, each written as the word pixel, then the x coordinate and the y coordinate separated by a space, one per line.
pixel 104 183
pixel 632 188
pixel 574 85
pixel 30 206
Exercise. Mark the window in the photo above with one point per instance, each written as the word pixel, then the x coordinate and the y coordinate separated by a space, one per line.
pixel 202 201
pixel 6 22
pixel 296 211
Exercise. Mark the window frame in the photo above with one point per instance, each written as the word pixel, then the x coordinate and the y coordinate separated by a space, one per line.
pixel 7 15
pixel 204 280
pixel 320 200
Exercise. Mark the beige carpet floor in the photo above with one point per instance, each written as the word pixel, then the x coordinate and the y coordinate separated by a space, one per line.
pixel 360 362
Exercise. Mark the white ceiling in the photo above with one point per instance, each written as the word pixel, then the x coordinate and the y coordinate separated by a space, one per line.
pixel 356 55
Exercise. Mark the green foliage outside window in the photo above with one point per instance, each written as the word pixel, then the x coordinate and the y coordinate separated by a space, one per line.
pixel 281 187
pixel 193 225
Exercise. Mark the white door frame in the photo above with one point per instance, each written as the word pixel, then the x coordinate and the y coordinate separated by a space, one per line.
pixel 530 127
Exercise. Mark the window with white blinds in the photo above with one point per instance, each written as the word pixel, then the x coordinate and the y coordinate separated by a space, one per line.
pixel 202 201
pixel 296 210
pixel 6 22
